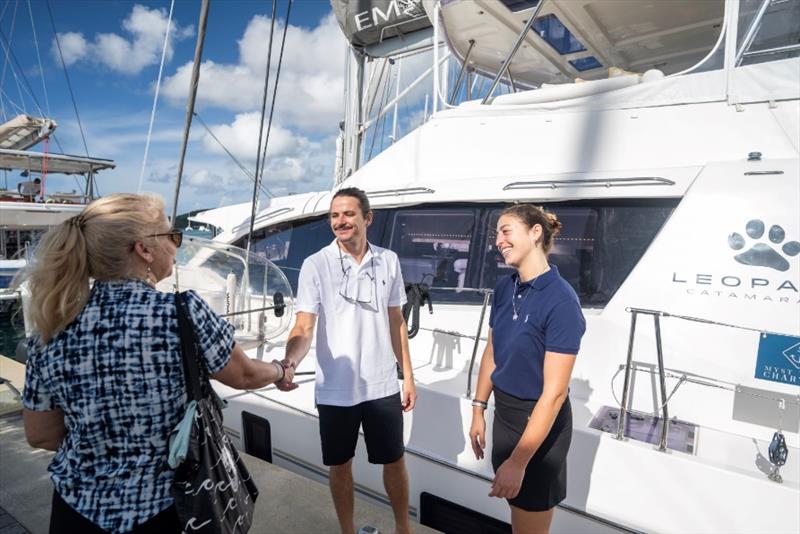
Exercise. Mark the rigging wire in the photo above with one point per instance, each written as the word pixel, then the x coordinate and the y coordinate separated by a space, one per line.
pixel 3 13
pixel 275 88
pixel 228 152
pixel 28 87
pixel 253 207
pixel 155 97
pixel 5 62
pixel 18 108
pixel 39 59
pixel 66 75
pixel 11 36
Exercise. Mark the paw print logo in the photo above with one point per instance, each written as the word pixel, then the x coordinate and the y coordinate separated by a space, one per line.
pixel 763 254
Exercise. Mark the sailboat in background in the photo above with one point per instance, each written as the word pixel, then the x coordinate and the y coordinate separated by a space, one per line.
pixel 28 206
pixel 27 211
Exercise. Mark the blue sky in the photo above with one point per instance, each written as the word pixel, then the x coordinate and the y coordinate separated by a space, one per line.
pixel 113 48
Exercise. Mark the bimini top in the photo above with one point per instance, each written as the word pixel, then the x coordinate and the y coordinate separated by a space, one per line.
pixel 580 38
pixel 24 160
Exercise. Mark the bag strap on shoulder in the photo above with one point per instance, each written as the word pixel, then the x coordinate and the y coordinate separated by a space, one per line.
pixel 191 371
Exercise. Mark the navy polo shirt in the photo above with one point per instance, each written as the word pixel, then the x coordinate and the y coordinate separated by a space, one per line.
pixel 549 318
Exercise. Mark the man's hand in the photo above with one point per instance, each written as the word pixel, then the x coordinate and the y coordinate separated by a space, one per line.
pixel 409 394
pixel 287 384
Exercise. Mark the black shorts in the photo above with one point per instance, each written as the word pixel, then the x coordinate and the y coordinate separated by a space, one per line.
pixel 382 420
pixel 545 482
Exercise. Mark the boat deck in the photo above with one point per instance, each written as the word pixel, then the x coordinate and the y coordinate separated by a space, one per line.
pixel 288 502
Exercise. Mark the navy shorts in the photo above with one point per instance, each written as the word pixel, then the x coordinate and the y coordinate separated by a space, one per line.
pixel 382 420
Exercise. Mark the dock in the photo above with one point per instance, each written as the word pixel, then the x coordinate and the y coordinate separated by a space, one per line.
pixel 287 502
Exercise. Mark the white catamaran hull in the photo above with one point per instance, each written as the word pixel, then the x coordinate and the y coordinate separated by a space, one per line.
pixel 733 394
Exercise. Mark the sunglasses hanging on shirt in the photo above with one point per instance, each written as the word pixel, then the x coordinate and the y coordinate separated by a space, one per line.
pixel 360 288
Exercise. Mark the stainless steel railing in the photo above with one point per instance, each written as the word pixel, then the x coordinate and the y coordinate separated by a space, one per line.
pixel 663 373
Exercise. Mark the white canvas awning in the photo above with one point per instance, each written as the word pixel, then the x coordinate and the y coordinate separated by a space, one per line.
pixel 23 160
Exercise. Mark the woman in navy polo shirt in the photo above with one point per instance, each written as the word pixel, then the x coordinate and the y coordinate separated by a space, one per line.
pixel 536 328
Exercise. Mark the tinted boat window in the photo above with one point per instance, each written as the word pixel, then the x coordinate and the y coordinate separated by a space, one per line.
pixel 434 247
pixel 597 248
pixel 273 243
pixel 289 244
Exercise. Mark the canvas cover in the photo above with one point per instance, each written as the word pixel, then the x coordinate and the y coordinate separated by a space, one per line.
pixel 367 22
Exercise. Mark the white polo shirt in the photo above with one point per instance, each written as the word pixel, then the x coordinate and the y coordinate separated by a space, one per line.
pixel 355 359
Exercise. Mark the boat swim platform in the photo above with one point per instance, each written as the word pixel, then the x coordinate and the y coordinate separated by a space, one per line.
pixel 287 502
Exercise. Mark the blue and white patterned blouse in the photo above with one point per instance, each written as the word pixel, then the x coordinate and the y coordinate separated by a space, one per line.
pixel 116 373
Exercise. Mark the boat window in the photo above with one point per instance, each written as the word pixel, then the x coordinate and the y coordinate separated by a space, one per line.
pixel 433 245
pixel 778 34
pixel 553 31
pixel 273 243
pixel 597 248
pixel 288 244
pixel 585 63
pixel 14 242
pixel 519 5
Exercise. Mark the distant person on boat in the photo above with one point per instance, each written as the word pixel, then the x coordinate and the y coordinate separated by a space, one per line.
pixel 104 380
pixel 356 291
pixel 536 325
pixel 30 189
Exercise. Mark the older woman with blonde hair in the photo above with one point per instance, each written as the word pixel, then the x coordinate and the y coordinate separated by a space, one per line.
pixel 104 381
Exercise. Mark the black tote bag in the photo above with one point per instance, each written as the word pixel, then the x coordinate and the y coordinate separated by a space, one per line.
pixel 212 488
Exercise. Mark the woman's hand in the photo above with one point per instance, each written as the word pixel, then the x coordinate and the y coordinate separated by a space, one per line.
pixel 477 435
pixel 507 480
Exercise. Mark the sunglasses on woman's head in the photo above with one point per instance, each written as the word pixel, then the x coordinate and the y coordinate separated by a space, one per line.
pixel 176 236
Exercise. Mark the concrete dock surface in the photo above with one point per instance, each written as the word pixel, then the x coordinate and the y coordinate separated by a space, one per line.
pixel 287 502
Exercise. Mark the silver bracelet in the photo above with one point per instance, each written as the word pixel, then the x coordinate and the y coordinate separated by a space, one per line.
pixel 480 403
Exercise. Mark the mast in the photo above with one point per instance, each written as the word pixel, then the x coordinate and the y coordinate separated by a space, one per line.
pixel 198 56
pixel 352 135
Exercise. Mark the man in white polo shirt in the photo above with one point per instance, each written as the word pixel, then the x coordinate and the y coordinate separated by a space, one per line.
pixel 355 290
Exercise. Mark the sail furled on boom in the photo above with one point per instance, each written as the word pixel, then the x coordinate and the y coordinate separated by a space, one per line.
pixel 368 22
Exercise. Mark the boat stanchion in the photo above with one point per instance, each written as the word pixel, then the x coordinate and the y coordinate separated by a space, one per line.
pixel 486 297
pixel 662 381
pixel 623 410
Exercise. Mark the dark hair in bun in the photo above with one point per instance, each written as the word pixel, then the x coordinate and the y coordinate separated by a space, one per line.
pixel 531 215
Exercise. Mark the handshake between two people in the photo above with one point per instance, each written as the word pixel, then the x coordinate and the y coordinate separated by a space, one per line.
pixel 285 380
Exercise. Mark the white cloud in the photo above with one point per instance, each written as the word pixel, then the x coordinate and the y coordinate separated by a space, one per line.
pixel 292 158
pixel 73 47
pixel 241 138
pixel 311 88
pixel 127 55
